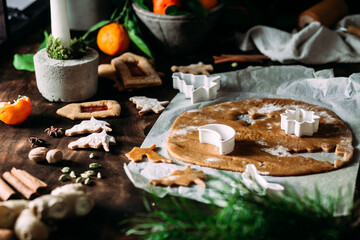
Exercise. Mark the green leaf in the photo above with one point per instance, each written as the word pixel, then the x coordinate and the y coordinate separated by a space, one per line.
pixel 198 9
pixel 175 10
pixel 43 44
pixel 133 30
pixel 140 44
pixel 113 15
pixel 95 28
pixel 24 62
pixel 142 4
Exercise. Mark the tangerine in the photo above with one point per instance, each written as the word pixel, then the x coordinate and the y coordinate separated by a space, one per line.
pixel 159 6
pixel 113 39
pixel 208 4
pixel 17 112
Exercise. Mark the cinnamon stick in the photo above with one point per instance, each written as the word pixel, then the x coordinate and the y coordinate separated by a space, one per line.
pixel 239 58
pixel 33 183
pixel 6 192
pixel 18 185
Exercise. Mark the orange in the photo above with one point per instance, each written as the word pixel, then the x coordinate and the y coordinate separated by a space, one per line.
pixel 159 6
pixel 208 4
pixel 113 39
pixel 17 112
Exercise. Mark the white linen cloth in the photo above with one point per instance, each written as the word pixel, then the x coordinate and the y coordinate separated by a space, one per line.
pixel 314 44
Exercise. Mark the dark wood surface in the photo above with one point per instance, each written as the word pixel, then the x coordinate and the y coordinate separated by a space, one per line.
pixel 115 196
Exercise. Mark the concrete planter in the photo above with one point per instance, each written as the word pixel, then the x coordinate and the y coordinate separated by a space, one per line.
pixel 67 80
pixel 177 34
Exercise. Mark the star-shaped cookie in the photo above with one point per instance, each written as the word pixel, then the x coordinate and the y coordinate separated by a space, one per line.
pixel 94 140
pixel 182 178
pixel 89 126
pixel 148 104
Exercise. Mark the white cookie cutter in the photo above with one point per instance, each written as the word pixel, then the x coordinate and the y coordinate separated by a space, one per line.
pixel 253 180
pixel 197 87
pixel 219 135
pixel 299 122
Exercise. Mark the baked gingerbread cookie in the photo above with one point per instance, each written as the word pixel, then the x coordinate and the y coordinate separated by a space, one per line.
pixel 146 104
pixel 196 69
pixel 86 110
pixel 259 140
pixel 135 71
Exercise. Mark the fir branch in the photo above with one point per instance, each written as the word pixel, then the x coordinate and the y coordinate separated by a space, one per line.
pixel 247 215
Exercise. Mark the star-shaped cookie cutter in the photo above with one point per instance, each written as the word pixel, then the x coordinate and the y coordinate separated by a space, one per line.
pixel 299 122
pixel 197 87
pixel 219 135
pixel 254 181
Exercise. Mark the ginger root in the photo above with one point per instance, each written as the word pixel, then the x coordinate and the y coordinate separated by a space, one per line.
pixel 29 218
pixel 78 202
pixel 48 207
pixel 66 201
pixel 28 226
pixel 10 210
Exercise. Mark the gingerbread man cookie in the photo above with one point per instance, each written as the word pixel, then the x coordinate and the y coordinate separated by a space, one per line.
pixel 148 104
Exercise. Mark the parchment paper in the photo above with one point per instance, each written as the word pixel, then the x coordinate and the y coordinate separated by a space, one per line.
pixel 339 94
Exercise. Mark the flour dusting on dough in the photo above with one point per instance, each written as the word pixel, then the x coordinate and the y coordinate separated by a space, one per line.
pixel 326 117
pixel 184 131
pixel 268 108
pixel 213 159
pixel 194 110
pixel 210 120
pixel 262 143
pixel 278 151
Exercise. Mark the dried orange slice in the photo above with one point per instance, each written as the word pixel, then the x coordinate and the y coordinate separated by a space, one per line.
pixel 17 112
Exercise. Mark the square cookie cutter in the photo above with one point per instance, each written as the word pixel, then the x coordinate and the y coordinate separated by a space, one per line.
pixel 197 87
pixel 219 135
pixel 299 122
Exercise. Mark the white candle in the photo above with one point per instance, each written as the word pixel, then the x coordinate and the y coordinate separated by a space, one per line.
pixel 59 21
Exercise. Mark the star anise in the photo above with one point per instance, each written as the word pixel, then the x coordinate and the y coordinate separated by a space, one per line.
pixel 54 132
pixel 35 141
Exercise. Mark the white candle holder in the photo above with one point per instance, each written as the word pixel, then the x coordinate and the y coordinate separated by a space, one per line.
pixel 69 80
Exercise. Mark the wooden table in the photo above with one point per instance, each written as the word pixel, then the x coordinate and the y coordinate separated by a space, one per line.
pixel 115 196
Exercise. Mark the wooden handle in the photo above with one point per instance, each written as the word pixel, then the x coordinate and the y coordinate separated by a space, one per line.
pixel 327 12
pixel 353 30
